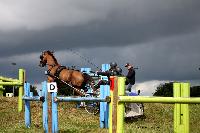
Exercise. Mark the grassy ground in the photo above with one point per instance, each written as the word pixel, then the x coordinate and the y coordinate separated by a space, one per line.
pixel 159 119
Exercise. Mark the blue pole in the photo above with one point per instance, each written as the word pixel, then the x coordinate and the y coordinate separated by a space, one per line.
pixel 107 93
pixel 102 107
pixel 45 106
pixel 54 113
pixel 31 94
pixel 80 99
pixel 29 98
pixel 27 105
pixel 103 94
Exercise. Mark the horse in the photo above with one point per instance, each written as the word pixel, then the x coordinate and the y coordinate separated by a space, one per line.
pixel 72 77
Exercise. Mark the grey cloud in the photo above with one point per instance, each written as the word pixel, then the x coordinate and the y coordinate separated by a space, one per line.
pixel 161 37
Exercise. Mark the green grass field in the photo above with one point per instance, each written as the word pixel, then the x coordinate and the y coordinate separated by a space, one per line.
pixel 158 119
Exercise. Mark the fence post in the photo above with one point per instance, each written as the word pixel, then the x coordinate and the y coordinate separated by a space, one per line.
pixel 120 105
pixel 116 116
pixel 54 113
pixel 45 106
pixel 185 92
pixel 27 106
pixel 104 91
pixel 111 104
pixel 21 80
pixel 1 89
pixel 176 93
pixel 181 111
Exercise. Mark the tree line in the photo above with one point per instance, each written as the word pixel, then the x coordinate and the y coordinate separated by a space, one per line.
pixel 166 90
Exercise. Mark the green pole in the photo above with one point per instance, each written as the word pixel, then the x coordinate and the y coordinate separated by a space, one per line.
pixel 152 99
pixel 120 105
pixel 112 79
pixel 21 88
pixel 177 114
pixel 8 79
pixel 185 92
pixel 11 83
pixel 1 89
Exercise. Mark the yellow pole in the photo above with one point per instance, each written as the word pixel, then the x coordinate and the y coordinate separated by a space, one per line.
pixel 1 89
pixel 120 105
pixel 111 103
pixel 185 92
pixel 21 88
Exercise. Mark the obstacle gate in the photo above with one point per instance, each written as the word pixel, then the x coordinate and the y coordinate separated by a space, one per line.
pixel 4 81
pixel 112 105
pixel 55 99
pixel 181 100
pixel 43 98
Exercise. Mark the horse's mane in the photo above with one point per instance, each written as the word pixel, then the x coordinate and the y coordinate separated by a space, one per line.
pixel 51 54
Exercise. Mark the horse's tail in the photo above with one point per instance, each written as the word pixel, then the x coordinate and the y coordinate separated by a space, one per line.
pixel 88 80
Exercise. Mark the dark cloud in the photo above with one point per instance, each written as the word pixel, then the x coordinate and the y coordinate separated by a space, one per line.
pixel 160 37
pixel 127 23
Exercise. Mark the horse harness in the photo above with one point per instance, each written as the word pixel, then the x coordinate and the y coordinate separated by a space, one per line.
pixel 58 70
pixel 56 76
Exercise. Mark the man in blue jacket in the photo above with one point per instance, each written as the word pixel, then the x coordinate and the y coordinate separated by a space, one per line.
pixel 130 77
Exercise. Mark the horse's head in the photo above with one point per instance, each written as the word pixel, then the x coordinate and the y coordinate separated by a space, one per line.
pixel 44 57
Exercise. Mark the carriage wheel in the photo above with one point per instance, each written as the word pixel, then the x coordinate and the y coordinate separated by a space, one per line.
pixel 92 107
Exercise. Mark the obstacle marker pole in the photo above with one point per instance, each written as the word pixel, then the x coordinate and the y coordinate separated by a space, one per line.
pixel 27 106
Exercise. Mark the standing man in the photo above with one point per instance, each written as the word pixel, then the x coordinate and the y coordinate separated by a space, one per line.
pixel 130 77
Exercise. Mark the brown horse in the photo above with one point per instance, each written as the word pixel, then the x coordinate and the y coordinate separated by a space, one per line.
pixel 72 77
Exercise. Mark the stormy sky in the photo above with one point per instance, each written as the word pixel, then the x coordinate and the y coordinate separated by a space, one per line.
pixel 161 37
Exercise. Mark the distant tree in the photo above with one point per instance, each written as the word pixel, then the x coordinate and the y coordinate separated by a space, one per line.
pixel 195 91
pixel 164 90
